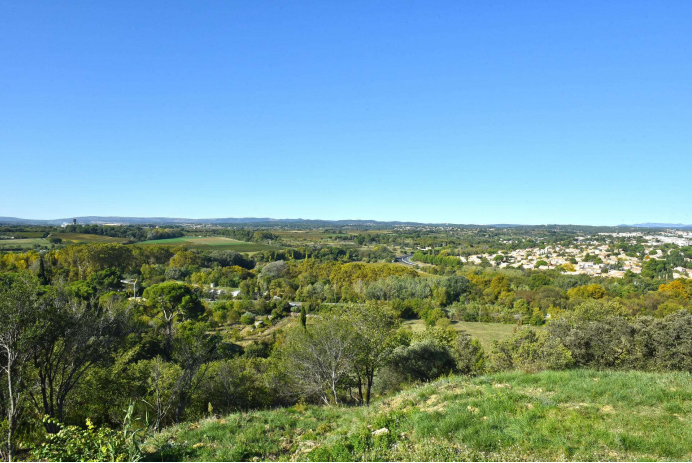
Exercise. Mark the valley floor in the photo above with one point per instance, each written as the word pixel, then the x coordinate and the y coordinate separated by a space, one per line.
pixel 565 415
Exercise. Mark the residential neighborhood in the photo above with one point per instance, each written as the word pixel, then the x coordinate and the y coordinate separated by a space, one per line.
pixel 590 256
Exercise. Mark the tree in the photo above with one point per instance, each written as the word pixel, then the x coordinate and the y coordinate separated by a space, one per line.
pixel 170 301
pixel 319 358
pixel 303 317
pixel 469 355
pixel 237 384
pixel 374 327
pixel 539 279
pixel 537 317
pixel 422 361
pixel 78 337
pixel 162 379
pixel 593 291
pixel 530 350
pixel 171 385
pixel 231 258
pixel 457 286
pixel 193 349
pixel 20 329
pixel 274 270
pixel 42 276
pixel 247 318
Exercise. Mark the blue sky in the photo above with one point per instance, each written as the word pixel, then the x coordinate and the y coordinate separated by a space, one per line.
pixel 462 112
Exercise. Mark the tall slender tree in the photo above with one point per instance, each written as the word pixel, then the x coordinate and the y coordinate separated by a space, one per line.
pixel 20 329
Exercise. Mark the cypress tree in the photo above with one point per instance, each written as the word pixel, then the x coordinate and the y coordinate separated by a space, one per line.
pixel 42 272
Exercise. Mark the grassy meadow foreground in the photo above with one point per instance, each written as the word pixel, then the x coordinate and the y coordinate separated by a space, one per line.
pixel 566 415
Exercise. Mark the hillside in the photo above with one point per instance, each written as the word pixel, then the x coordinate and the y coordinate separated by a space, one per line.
pixel 567 415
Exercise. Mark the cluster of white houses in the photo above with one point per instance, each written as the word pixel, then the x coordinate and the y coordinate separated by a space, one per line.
pixel 591 259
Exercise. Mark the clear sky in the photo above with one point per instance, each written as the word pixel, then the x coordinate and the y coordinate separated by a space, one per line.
pixel 463 111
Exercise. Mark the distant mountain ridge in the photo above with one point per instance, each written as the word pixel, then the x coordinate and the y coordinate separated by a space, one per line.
pixel 92 220
pixel 657 225
pixel 97 220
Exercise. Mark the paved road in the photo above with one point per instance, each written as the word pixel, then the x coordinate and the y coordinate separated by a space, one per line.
pixel 406 259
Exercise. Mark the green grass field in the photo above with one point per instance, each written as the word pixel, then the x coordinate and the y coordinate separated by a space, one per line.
pixel 211 243
pixel 74 238
pixel 579 415
pixel 486 333
pixel 67 238
pixel 22 243
pixel 23 234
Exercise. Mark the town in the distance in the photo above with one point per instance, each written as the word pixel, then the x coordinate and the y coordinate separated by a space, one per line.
pixel 603 254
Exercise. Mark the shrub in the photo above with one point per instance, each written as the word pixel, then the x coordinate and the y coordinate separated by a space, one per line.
pixel 247 319
pixel 432 316
pixel 422 361
pixel 643 344
pixel 470 357
pixel 531 351
pixel 536 317
pixel 72 443
pixel 597 344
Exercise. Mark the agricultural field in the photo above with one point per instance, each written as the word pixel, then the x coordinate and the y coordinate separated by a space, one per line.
pixel 211 243
pixel 486 333
pixel 22 243
pixel 22 234
pixel 75 238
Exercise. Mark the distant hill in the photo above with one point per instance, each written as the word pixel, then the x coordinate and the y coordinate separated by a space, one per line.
pixel 657 225
pixel 91 220
pixel 130 220
pixel 268 221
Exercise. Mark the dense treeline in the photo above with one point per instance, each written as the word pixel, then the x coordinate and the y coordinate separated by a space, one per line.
pixel 443 260
pixel 132 233
pixel 505 295
pixel 325 253
pixel 598 335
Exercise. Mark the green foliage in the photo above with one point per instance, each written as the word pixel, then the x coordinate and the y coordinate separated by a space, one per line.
pixel 72 443
pixel 536 317
pixel 469 355
pixel 530 350
pixel 422 361
pixel 175 296
pixel 616 342
pixel 247 318
pixel 539 279
pixel 594 311
pixel 444 261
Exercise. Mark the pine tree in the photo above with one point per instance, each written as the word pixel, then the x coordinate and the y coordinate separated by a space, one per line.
pixel 303 317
